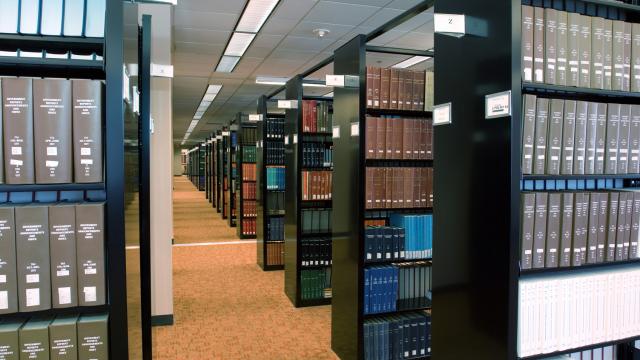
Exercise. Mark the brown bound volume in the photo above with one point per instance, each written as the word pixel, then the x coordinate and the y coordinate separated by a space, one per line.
pixel 378 188
pixel 17 117
pixel 407 139
pixel 430 186
pixel 397 138
pixel 376 87
pixel 385 86
pixel 370 140
pixel 408 90
pixel 388 187
pixel 408 188
pixel 381 138
pixel 424 187
pixel 418 88
pixel 429 139
pixel 527 43
pixel 370 87
pixel 52 131
pixel 416 187
pixel 422 79
pixel 399 190
pixel 394 83
pixel 87 131
pixel 395 176
pixel 369 188
pixel 388 140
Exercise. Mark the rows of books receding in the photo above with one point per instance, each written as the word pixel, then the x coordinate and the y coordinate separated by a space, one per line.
pixel 399 89
pixel 275 253
pixel 316 221
pixel 52 131
pixel 566 48
pixel 315 284
pixel 315 251
pixel 570 311
pixel 317 116
pixel 248 172
pixel 248 154
pixel 316 185
pixel 401 286
pixel 275 178
pixel 397 337
pixel 63 337
pixel 274 152
pixel 248 226
pixel 577 137
pixel 563 229
pixel 317 155
pixel 399 138
pixel 399 187
pixel 249 190
pixel 249 208
pixel 51 256
pixel 409 237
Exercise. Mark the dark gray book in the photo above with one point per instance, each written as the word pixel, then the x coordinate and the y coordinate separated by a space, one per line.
pixel 627 56
pixel 540 230
pixel 634 140
pixel 585 51
pixel 568 134
pixel 597 52
pixel 32 251
pixel 603 212
pixel 34 339
pixel 562 51
pixel 591 138
pixel 617 54
pixel 601 138
pixel 62 234
pixel 1 140
pixel 624 130
pixel 17 124
pixel 526 233
pixel 539 153
pixel 93 337
pixel 538 42
pixel 553 229
pixel 528 133
pixel 580 142
pixel 608 56
pixel 574 49
pixel 611 151
pixel 9 339
pixel 554 137
pixel 90 253
pixel 635 226
pixel 87 131
pixel 612 227
pixel 635 58
pixel 550 45
pixel 52 131
pixel 592 235
pixel 8 279
pixel 626 242
pixel 579 224
pixel 527 43
pixel 584 232
pixel 566 229
pixel 63 338
pixel 622 218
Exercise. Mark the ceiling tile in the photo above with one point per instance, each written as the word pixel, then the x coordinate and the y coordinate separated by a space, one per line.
pixel 212 37
pixel 340 13
pixel 305 43
pixel 204 20
pixel 292 9
pixel 225 6
pixel 306 28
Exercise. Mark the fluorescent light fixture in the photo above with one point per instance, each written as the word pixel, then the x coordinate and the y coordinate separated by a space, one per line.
pixel 271 80
pixel 227 63
pixel 329 95
pixel 239 43
pixel 313 85
pixel 255 14
pixel 411 62
pixel 213 89
pixel 207 99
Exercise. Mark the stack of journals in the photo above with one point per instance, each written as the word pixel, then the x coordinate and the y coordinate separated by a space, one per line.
pixel 399 337
pixel 418 230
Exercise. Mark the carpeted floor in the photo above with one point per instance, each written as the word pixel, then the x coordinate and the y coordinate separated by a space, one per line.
pixel 225 306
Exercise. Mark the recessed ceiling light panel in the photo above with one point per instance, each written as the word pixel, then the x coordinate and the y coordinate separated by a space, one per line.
pixel 239 43
pixel 227 63
pixel 255 14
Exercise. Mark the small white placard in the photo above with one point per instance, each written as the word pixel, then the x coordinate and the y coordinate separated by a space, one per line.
pixel 287 104
pixel 497 105
pixel 225 133
pixel 3 279
pixel 62 273
pixel 64 295
pixel 295 138
pixel 449 24
pixel 16 150
pixel 85 151
pixel 4 300
pixel 336 131
pixel 52 151
pixel 51 163
pixel 355 129
pixel 162 70
pixel 286 140
pixel 350 81
pixel 33 278
pixel 86 161
pixel 89 293
pixel 33 297
pixel 90 271
pixel 255 117
pixel 442 114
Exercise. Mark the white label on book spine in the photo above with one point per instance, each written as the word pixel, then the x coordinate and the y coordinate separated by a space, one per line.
pixel 295 138
pixel 52 151
pixel 4 300
pixel 336 132
pixel 51 163
pixel 15 162
pixel 85 151
pixel 90 271
pixel 3 279
pixel 355 129
pixel 86 161
pixel 64 295
pixel 33 297
pixel 33 278
pixel 16 150
pixel 89 293
pixel 62 273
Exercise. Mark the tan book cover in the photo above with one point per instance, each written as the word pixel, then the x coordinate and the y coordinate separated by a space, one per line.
pixel 17 117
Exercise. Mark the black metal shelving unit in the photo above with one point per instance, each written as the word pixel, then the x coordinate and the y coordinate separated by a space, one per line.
pixel 223 152
pixel 232 175
pixel 217 171
pixel 294 138
pixel 479 180
pixel 246 141
pixel 268 139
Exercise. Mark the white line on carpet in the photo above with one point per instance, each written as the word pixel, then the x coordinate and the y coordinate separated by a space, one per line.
pixel 135 247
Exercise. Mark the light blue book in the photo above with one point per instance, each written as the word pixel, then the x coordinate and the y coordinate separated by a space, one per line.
pixel 29 16
pixel 94 22
pixel 73 17
pixel 9 16
pixel 51 19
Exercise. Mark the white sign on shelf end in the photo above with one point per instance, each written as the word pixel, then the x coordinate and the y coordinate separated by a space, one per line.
pixel 287 104
pixel 497 105
pixel 442 114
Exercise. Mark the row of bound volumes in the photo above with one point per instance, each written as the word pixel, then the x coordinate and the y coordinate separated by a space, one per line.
pixel 397 287
pixel 249 207
pixel 569 311
pixel 390 88
pixel 276 229
pixel 316 185
pixel 317 154
pixel 399 138
pixel 248 227
pixel 51 257
pixel 315 284
pixel 274 128
pixel 418 235
pixel 249 190
pixel 275 253
pixel 275 178
pixel 573 229
pixel 317 116
pixel 63 337
pixel 603 353
pixel 274 152
pixel 53 17
pixel 275 203
pixel 566 48
pixel 44 54
pixel 248 154
pixel 578 137
pixel 399 187
pixel 315 251
pixel 249 136
pixel 400 337
pixel 52 131
pixel 249 172
pixel 315 221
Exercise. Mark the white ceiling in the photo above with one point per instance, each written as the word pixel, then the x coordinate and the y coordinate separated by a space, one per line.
pixel 285 46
